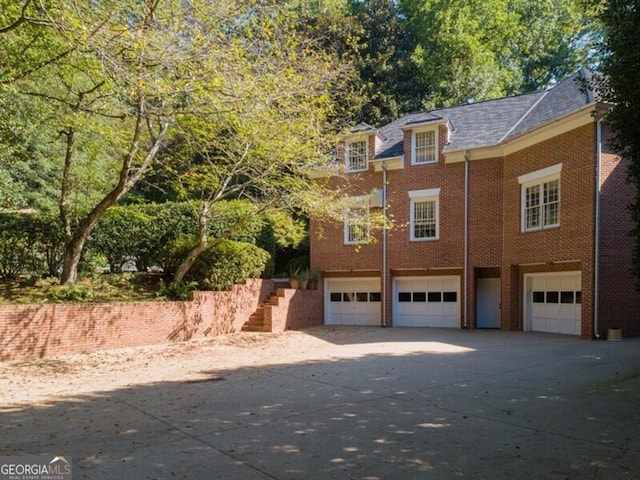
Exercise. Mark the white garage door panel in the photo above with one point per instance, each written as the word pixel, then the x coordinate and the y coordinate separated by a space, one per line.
pixel 353 301
pixel 555 303
pixel 427 302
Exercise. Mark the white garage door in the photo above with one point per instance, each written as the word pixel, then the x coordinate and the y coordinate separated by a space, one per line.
pixel 426 302
pixel 554 302
pixel 352 301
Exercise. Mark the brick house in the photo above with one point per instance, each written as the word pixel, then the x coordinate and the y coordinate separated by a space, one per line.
pixel 508 213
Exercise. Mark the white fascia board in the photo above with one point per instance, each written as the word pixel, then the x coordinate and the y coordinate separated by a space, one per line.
pixel 426 124
pixel 540 174
pixel 391 163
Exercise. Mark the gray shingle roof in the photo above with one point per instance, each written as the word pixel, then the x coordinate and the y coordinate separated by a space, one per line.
pixel 492 122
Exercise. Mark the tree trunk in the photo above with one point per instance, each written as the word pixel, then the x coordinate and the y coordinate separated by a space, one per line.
pixel 126 180
pixel 74 248
pixel 203 244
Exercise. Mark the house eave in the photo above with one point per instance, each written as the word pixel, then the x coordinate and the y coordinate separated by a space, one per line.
pixel 576 119
pixel 390 163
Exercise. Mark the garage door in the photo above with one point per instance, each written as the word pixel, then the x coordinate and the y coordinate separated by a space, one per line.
pixel 554 303
pixel 352 301
pixel 427 302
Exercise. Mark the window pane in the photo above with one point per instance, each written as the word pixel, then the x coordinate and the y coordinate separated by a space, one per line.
pixel 424 219
pixel 425 147
pixel 404 296
pixel 347 297
pixel 362 296
pixel 419 296
pixel 566 297
pixel 336 296
pixel 450 297
pixel 578 297
pixel 552 191
pixel 552 297
pixel 551 202
pixel 435 296
pixel 538 297
pixel 551 214
pixel 357 156
pixel 532 207
pixel 533 196
pixel 357 225
pixel 542 205
pixel 374 296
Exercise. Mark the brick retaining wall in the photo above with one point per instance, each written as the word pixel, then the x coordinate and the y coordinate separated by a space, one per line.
pixel 28 332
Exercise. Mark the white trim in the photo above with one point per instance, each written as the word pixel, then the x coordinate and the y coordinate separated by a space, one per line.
pixel 426 124
pixel 418 196
pixel 436 134
pixel 389 163
pixel 347 162
pixel 430 192
pixel 538 175
pixel 360 202
pixel 539 178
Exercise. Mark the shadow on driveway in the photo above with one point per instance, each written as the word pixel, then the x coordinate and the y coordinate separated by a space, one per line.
pixel 389 404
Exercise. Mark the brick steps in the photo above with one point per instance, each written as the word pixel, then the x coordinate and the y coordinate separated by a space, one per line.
pixel 259 321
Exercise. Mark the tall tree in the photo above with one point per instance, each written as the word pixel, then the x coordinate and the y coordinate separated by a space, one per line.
pixel 391 80
pixel 478 49
pixel 621 69
pixel 124 79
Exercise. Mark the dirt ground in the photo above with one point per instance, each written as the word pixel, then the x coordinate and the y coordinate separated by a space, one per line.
pixel 40 381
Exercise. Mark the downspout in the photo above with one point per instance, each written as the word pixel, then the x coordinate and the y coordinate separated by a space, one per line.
pixel 384 245
pixel 596 260
pixel 466 240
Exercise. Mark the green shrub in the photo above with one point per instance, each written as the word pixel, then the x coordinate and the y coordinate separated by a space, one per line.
pixel 224 264
pixel 177 290
pixel 29 244
pixel 228 263
pixel 72 292
pixel 174 252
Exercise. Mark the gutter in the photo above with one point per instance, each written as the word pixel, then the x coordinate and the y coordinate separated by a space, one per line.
pixel 384 245
pixel 596 259
pixel 466 240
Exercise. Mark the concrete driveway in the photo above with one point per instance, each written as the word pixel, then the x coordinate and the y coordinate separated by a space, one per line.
pixel 365 403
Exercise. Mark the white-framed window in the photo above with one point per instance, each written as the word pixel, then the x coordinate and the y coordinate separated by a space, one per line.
pixel 356 156
pixel 424 146
pixel 541 198
pixel 425 214
pixel 356 221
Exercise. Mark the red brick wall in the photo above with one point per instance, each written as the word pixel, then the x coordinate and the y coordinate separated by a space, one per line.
pixel 497 244
pixel 37 331
pixel 297 309
pixel 616 283
pixel 571 241
pixel 485 226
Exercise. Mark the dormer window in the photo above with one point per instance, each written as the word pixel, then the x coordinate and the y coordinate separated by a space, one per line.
pixel 356 156
pixel 424 147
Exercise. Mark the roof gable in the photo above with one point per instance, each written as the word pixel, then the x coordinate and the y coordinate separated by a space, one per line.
pixel 493 122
